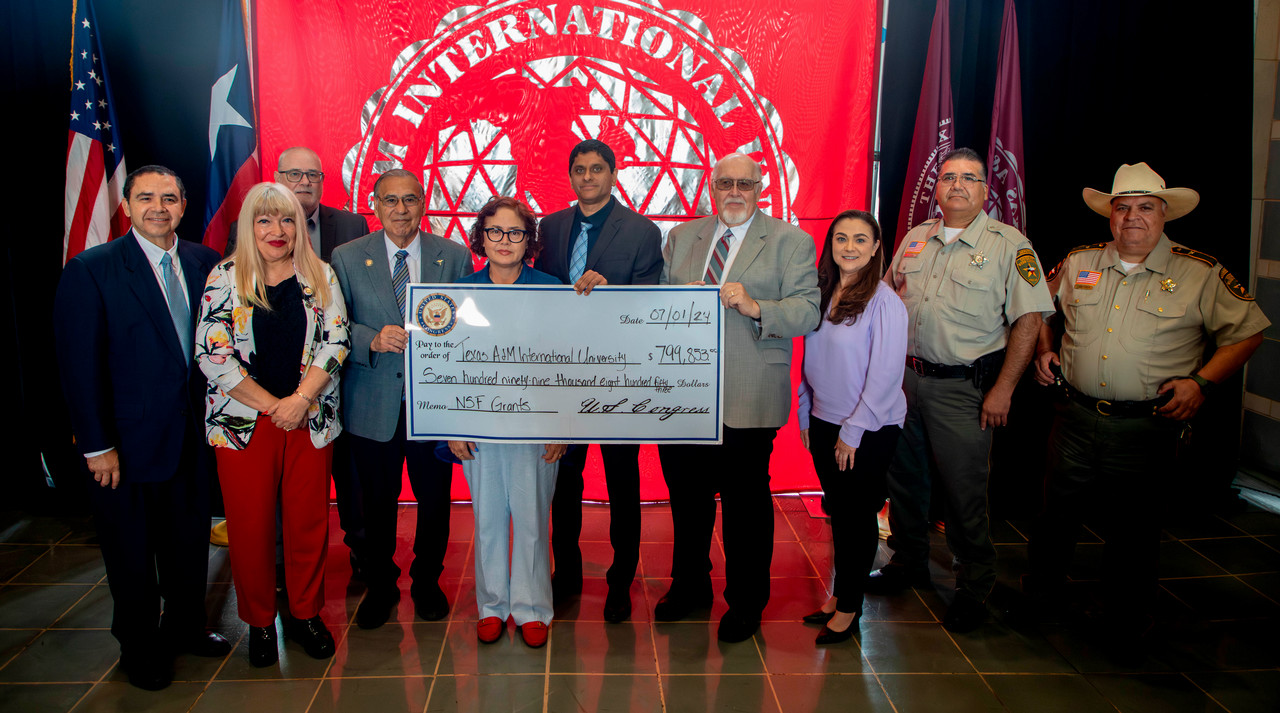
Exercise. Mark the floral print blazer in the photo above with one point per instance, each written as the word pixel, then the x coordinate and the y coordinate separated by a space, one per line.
pixel 224 345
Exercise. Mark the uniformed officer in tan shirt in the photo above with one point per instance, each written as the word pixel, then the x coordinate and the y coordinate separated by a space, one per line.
pixel 975 298
pixel 1137 312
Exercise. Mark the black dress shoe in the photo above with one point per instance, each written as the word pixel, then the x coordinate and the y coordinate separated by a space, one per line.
pixel 312 634
pixel 892 580
pixel 674 605
pixel 377 607
pixel 965 614
pixel 735 627
pixel 208 644
pixel 818 617
pixel 262 646
pixel 432 605
pixel 617 606
pixel 830 636
pixel 148 672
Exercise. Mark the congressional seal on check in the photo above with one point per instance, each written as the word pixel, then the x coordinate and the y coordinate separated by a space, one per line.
pixel 540 363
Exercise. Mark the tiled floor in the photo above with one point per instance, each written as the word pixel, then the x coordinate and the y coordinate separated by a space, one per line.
pixel 1218 649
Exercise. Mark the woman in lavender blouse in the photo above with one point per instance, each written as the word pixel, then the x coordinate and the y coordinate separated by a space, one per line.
pixel 852 406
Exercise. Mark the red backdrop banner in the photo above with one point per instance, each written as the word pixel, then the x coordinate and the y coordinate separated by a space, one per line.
pixel 488 99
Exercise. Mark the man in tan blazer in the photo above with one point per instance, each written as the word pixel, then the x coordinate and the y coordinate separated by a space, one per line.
pixel 769 288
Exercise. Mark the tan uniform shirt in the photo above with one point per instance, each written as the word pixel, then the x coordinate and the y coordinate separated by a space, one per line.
pixel 1125 334
pixel 961 298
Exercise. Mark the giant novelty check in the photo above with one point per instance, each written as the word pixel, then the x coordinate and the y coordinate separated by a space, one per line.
pixel 539 363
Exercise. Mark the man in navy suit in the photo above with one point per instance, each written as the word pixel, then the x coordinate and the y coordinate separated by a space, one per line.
pixel 598 242
pixel 124 327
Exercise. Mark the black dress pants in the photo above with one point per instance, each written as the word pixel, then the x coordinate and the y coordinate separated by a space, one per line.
pixel 155 545
pixel 852 499
pixel 378 467
pixel 737 469
pixel 622 477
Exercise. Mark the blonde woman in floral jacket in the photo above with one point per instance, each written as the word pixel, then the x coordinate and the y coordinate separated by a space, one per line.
pixel 272 415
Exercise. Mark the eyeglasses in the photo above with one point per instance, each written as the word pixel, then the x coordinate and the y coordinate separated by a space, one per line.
pixel 410 201
pixel 515 235
pixel 968 178
pixel 727 184
pixel 296 175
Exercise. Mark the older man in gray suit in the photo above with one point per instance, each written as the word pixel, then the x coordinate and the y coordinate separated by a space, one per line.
pixel 374 272
pixel 769 289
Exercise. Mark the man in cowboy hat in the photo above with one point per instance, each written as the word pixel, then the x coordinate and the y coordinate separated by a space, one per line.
pixel 1136 314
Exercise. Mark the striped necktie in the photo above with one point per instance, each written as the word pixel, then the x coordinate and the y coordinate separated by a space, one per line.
pixel 715 268
pixel 400 278
pixel 179 312
pixel 578 260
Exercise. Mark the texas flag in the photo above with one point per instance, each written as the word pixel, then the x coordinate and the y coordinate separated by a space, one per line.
pixel 233 142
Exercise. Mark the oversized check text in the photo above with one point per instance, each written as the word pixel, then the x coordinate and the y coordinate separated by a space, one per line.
pixel 537 363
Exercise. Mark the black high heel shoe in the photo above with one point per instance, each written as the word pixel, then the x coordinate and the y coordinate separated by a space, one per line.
pixel 262 646
pixel 818 617
pixel 828 636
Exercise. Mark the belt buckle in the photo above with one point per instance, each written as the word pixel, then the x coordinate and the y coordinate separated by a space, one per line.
pixel 1098 407
pixel 917 365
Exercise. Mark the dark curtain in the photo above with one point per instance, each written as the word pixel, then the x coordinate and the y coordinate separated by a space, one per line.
pixel 1104 83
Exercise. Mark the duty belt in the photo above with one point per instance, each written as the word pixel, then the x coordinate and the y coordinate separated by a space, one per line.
pixel 1117 409
pixel 939 371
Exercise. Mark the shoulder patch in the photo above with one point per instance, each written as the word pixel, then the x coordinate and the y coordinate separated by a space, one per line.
pixel 1056 268
pixel 1205 258
pixel 1082 248
pixel 1233 285
pixel 1027 266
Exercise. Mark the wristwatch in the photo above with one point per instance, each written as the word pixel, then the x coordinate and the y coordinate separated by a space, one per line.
pixel 1205 385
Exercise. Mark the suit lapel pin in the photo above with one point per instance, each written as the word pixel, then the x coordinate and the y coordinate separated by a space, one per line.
pixel 440 261
pixel 368 263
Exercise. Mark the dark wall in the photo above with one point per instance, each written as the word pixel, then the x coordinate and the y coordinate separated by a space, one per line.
pixel 1104 83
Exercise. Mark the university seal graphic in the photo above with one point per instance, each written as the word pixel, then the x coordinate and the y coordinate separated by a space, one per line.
pixel 494 101
pixel 436 314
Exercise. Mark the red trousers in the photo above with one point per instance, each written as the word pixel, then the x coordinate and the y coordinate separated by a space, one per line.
pixel 284 466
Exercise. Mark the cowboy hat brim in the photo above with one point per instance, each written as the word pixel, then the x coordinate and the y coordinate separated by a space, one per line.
pixel 1180 200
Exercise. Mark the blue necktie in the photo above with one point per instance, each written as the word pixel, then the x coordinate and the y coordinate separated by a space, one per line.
pixel 178 309
pixel 578 261
pixel 400 278
pixel 715 268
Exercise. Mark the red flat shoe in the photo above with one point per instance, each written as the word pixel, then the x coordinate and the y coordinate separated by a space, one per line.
pixel 534 634
pixel 489 629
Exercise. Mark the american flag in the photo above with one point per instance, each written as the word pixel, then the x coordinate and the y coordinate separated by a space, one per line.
pixel 1087 278
pixel 94 204
pixel 915 247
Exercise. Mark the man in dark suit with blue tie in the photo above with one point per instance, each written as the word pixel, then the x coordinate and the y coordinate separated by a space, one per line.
pixel 124 327
pixel 598 242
